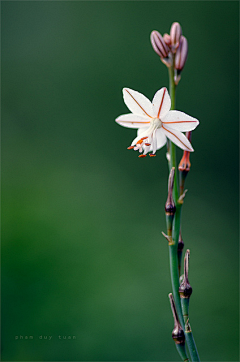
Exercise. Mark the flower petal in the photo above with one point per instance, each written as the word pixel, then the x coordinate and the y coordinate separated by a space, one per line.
pixel 137 103
pixel 132 121
pixel 180 121
pixel 178 138
pixel 140 133
pixel 161 138
pixel 161 103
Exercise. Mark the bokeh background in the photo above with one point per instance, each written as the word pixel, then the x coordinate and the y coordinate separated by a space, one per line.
pixel 82 250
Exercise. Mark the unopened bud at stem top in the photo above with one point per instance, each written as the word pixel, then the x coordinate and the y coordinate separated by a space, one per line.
pixel 161 48
pixel 181 54
pixel 175 34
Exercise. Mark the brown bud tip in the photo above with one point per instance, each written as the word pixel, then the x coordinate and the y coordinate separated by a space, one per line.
pixel 178 335
pixel 185 289
pixel 158 44
pixel 180 243
pixel 170 208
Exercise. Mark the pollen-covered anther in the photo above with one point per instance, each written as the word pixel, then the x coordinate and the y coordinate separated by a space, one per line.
pixel 152 155
pixel 130 147
pixel 141 156
pixel 147 144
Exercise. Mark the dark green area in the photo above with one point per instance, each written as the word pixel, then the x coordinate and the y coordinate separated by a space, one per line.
pixel 82 250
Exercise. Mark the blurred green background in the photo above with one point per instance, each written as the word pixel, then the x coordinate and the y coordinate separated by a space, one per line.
pixel 82 250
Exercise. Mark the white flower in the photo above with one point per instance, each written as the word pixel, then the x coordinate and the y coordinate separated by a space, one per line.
pixel 155 122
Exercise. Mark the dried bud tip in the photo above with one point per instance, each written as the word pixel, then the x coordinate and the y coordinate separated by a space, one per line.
pixel 180 243
pixel 169 239
pixel 181 198
pixel 177 333
pixel 185 289
pixel 159 45
pixel 188 327
pixel 170 207
pixel 181 54
pixel 175 34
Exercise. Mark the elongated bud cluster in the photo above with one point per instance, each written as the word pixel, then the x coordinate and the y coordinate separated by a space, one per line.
pixel 185 289
pixel 170 207
pixel 177 333
pixel 172 49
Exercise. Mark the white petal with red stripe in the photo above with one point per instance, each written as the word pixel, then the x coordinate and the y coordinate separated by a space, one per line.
pixel 178 138
pixel 161 103
pixel 179 121
pixel 131 120
pixel 137 103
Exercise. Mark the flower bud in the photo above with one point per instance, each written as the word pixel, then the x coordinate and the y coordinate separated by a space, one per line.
pixel 181 54
pixel 175 34
pixel 177 333
pixel 184 166
pixel 180 249
pixel 167 39
pixel 159 45
pixel 170 207
pixel 185 289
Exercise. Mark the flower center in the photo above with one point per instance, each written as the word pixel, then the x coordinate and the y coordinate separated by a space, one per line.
pixel 156 123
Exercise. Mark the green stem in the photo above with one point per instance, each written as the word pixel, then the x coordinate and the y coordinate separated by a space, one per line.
pixel 191 345
pixel 176 221
pixel 173 253
pixel 174 264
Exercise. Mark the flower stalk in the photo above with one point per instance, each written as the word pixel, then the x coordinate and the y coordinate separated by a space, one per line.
pixel 158 124
pixel 173 248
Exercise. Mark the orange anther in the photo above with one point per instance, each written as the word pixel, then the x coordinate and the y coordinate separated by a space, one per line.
pixel 130 147
pixel 144 138
pixel 139 142
pixel 152 155
pixel 141 156
pixel 147 144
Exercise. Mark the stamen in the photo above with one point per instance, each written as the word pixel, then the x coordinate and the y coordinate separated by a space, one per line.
pixel 141 156
pixel 130 147
pixel 152 155
pixel 147 144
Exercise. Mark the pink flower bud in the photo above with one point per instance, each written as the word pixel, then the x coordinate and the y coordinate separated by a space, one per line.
pixel 167 39
pixel 175 34
pixel 181 54
pixel 159 44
